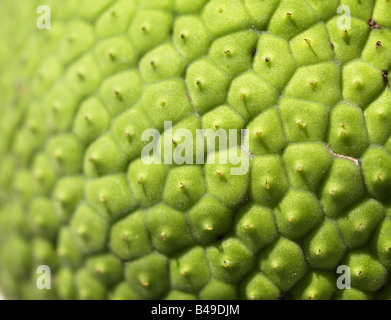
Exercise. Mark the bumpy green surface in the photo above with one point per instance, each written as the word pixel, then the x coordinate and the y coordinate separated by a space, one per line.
pixel 74 194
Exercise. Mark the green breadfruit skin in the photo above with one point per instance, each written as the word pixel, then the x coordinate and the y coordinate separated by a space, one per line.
pixel 76 196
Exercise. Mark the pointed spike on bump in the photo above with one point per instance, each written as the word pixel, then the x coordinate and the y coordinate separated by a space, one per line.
pixel 38 176
pixel 58 154
pixel 163 236
pixel 308 41
pixel 342 133
pixel 111 55
pixel 81 231
pixel 301 123
pixel 385 77
pixel 60 198
pixel 181 185
pixel 267 185
pixel 381 112
pixel 98 271
pixel 80 75
pixel 219 173
pixel 60 253
pixel 144 283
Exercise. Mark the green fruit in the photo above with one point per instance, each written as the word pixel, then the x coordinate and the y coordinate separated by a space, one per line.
pixel 308 192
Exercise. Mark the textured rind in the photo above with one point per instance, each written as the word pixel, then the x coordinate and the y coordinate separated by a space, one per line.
pixel 75 195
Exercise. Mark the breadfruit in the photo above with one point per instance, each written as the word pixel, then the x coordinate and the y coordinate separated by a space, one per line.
pixel 304 82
